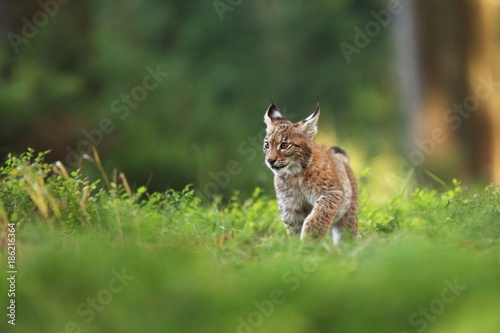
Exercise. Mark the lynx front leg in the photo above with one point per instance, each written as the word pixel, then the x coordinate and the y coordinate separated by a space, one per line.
pixel 292 229
pixel 319 222
pixel 293 219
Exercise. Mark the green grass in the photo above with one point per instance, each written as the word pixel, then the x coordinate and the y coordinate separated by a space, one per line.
pixel 428 260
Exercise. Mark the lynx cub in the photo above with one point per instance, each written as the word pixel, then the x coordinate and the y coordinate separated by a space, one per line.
pixel 314 184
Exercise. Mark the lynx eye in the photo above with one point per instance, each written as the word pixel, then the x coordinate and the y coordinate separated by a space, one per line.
pixel 266 145
pixel 285 145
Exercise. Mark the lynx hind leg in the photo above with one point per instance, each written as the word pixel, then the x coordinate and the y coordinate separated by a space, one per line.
pixel 350 219
pixel 336 234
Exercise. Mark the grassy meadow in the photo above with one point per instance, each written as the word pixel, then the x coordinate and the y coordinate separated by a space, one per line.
pixel 103 257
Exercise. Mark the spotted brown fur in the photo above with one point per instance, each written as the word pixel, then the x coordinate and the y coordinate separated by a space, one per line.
pixel 314 184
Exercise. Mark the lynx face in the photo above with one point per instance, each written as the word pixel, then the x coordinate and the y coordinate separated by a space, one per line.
pixel 287 146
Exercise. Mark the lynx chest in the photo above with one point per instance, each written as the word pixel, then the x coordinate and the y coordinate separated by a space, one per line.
pixel 294 195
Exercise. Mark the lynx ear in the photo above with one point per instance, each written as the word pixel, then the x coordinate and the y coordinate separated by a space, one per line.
pixel 310 124
pixel 272 114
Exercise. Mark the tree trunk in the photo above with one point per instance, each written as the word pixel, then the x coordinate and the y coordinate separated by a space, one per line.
pixel 455 129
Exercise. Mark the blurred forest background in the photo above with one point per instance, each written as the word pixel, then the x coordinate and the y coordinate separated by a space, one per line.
pixel 174 92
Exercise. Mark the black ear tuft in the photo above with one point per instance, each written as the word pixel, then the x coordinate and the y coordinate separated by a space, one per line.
pixel 310 124
pixel 312 116
pixel 274 113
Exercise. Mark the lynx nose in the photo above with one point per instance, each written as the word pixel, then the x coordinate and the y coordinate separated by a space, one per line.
pixel 271 161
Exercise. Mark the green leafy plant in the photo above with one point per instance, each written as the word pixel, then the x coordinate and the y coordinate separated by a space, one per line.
pixel 232 266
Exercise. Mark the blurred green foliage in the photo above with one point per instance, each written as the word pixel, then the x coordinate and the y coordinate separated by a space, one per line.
pixel 208 111
pixel 163 262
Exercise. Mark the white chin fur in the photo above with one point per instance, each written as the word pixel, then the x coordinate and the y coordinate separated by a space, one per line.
pixel 291 168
